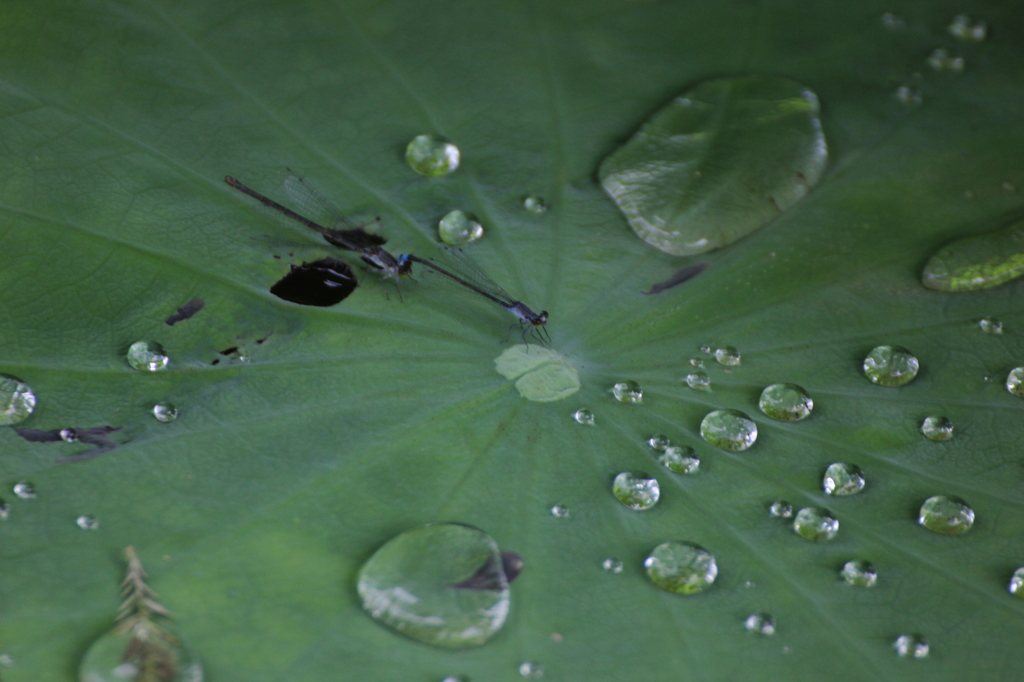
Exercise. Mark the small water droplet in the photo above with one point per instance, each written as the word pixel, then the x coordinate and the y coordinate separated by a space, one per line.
pixel 785 402
pixel 165 412
pixel 24 490
pixel 6 660
pixel 760 623
pixel 698 381
pixel 16 400
pixel 937 428
pixel 658 442
pixel 458 228
pixel 679 459
pixel 815 524
pixel 1015 381
pixel 1009 187
pixel 859 574
pixel 455 678
pixel 148 356
pixel 946 514
pixel 531 670
pixel 5 510
pixel 728 356
pixel 432 156
pixel 68 435
pixel 941 60
pixel 628 392
pixel 842 479
pixel 636 490
pixel 584 416
pixel 705 349
pixel 535 205
pixel 696 362
pixel 909 95
pixel 681 567
pixel 990 325
pixel 612 565
pixel 1017 582
pixel 86 522
pixel 781 509
pixel 890 366
pixel 728 429
pixel 966 31
pixel 907 646
pixel 559 511
pixel 892 22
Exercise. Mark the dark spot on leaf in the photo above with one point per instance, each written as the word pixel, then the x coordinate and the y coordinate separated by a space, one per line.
pixel 689 272
pixel 229 351
pixel 321 283
pixel 95 436
pixel 186 311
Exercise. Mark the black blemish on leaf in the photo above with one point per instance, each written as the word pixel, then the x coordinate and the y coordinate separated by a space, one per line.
pixel 95 436
pixel 689 272
pixel 229 351
pixel 321 283
pixel 186 311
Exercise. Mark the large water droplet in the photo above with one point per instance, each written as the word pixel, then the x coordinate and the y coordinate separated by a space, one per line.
pixel 24 490
pixel 636 490
pixel 458 228
pixel 990 325
pixel 728 429
pixel 535 205
pixel 890 366
pixel 681 567
pixel 1016 585
pixel 698 381
pixel 443 584
pixel 859 574
pixel 540 374
pixel 584 416
pixel 658 442
pixel 679 459
pixel 979 262
pixel 718 162
pixel 144 652
pixel 911 646
pixel 560 511
pixel 165 412
pixel 842 479
pixel 86 522
pixel 728 356
pixel 149 356
pixel 785 402
pixel 941 60
pixel 1015 381
pixel 967 31
pixel 531 670
pixel 431 156
pixel 760 624
pixel 946 514
pixel 612 565
pixel 628 392
pixel 16 400
pixel 937 428
pixel 815 524
pixel 781 509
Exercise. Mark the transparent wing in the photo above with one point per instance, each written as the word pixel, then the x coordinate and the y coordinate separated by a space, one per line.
pixel 465 267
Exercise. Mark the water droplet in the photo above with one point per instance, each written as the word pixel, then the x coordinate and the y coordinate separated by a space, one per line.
pixel 6 660
pixel 584 416
pixel 560 512
pixel 681 567
pixel 911 646
pixel 760 623
pixel 696 362
pixel 1015 381
pixel 535 205
pixel 5 510
pixel 909 95
pixel 941 60
pixel 728 356
pixel 432 156
pixel 531 670
pixel 1017 582
pixel 68 435
pixel 679 459
pixel 612 565
pixel 990 325
pixel 443 584
pixel 937 428
pixel 126 656
pixel 979 262
pixel 705 349
pixel 815 524
pixel 946 514
pixel 842 479
pixel 967 32
pixel 16 400
pixel 892 22
pixel 628 392
pixel 781 509
pixel 458 228
pixel 757 142
pixel 859 574
pixel 698 381
pixel 890 366
pixel 165 412
pixel 25 490
pixel 455 678
pixel 785 402
pixel 636 490
pixel 147 355
pixel 86 522
pixel 728 429
pixel 658 442
pixel 541 374
pixel 1009 186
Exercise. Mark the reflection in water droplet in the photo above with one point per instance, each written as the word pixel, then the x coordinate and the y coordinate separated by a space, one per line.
pixel 990 325
pixel 728 356
pixel 431 156
pixel 531 670
pixel 16 400
pixel 946 514
pixel 458 228
pixel 679 459
pixel 760 623
pixel 728 429
pixel 1015 381
pixel 892 22
pixel 859 574
pixel 842 479
pixel 628 392
pixel 24 490
pixel 937 428
pixel 584 416
pixel 909 95
pixel 147 355
pixel 443 584
pixel 967 32
pixel 86 522
pixel 911 646
pixel 785 402
pixel 559 511
pixel 681 567
pixel 890 366
pixel 636 490
pixel 815 524
pixel 698 381
pixel 1017 582
pixel 165 412
pixel 68 435
pixel 658 442
pixel 612 565
pixel 781 509
pixel 535 205
pixel 696 362
pixel 941 60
